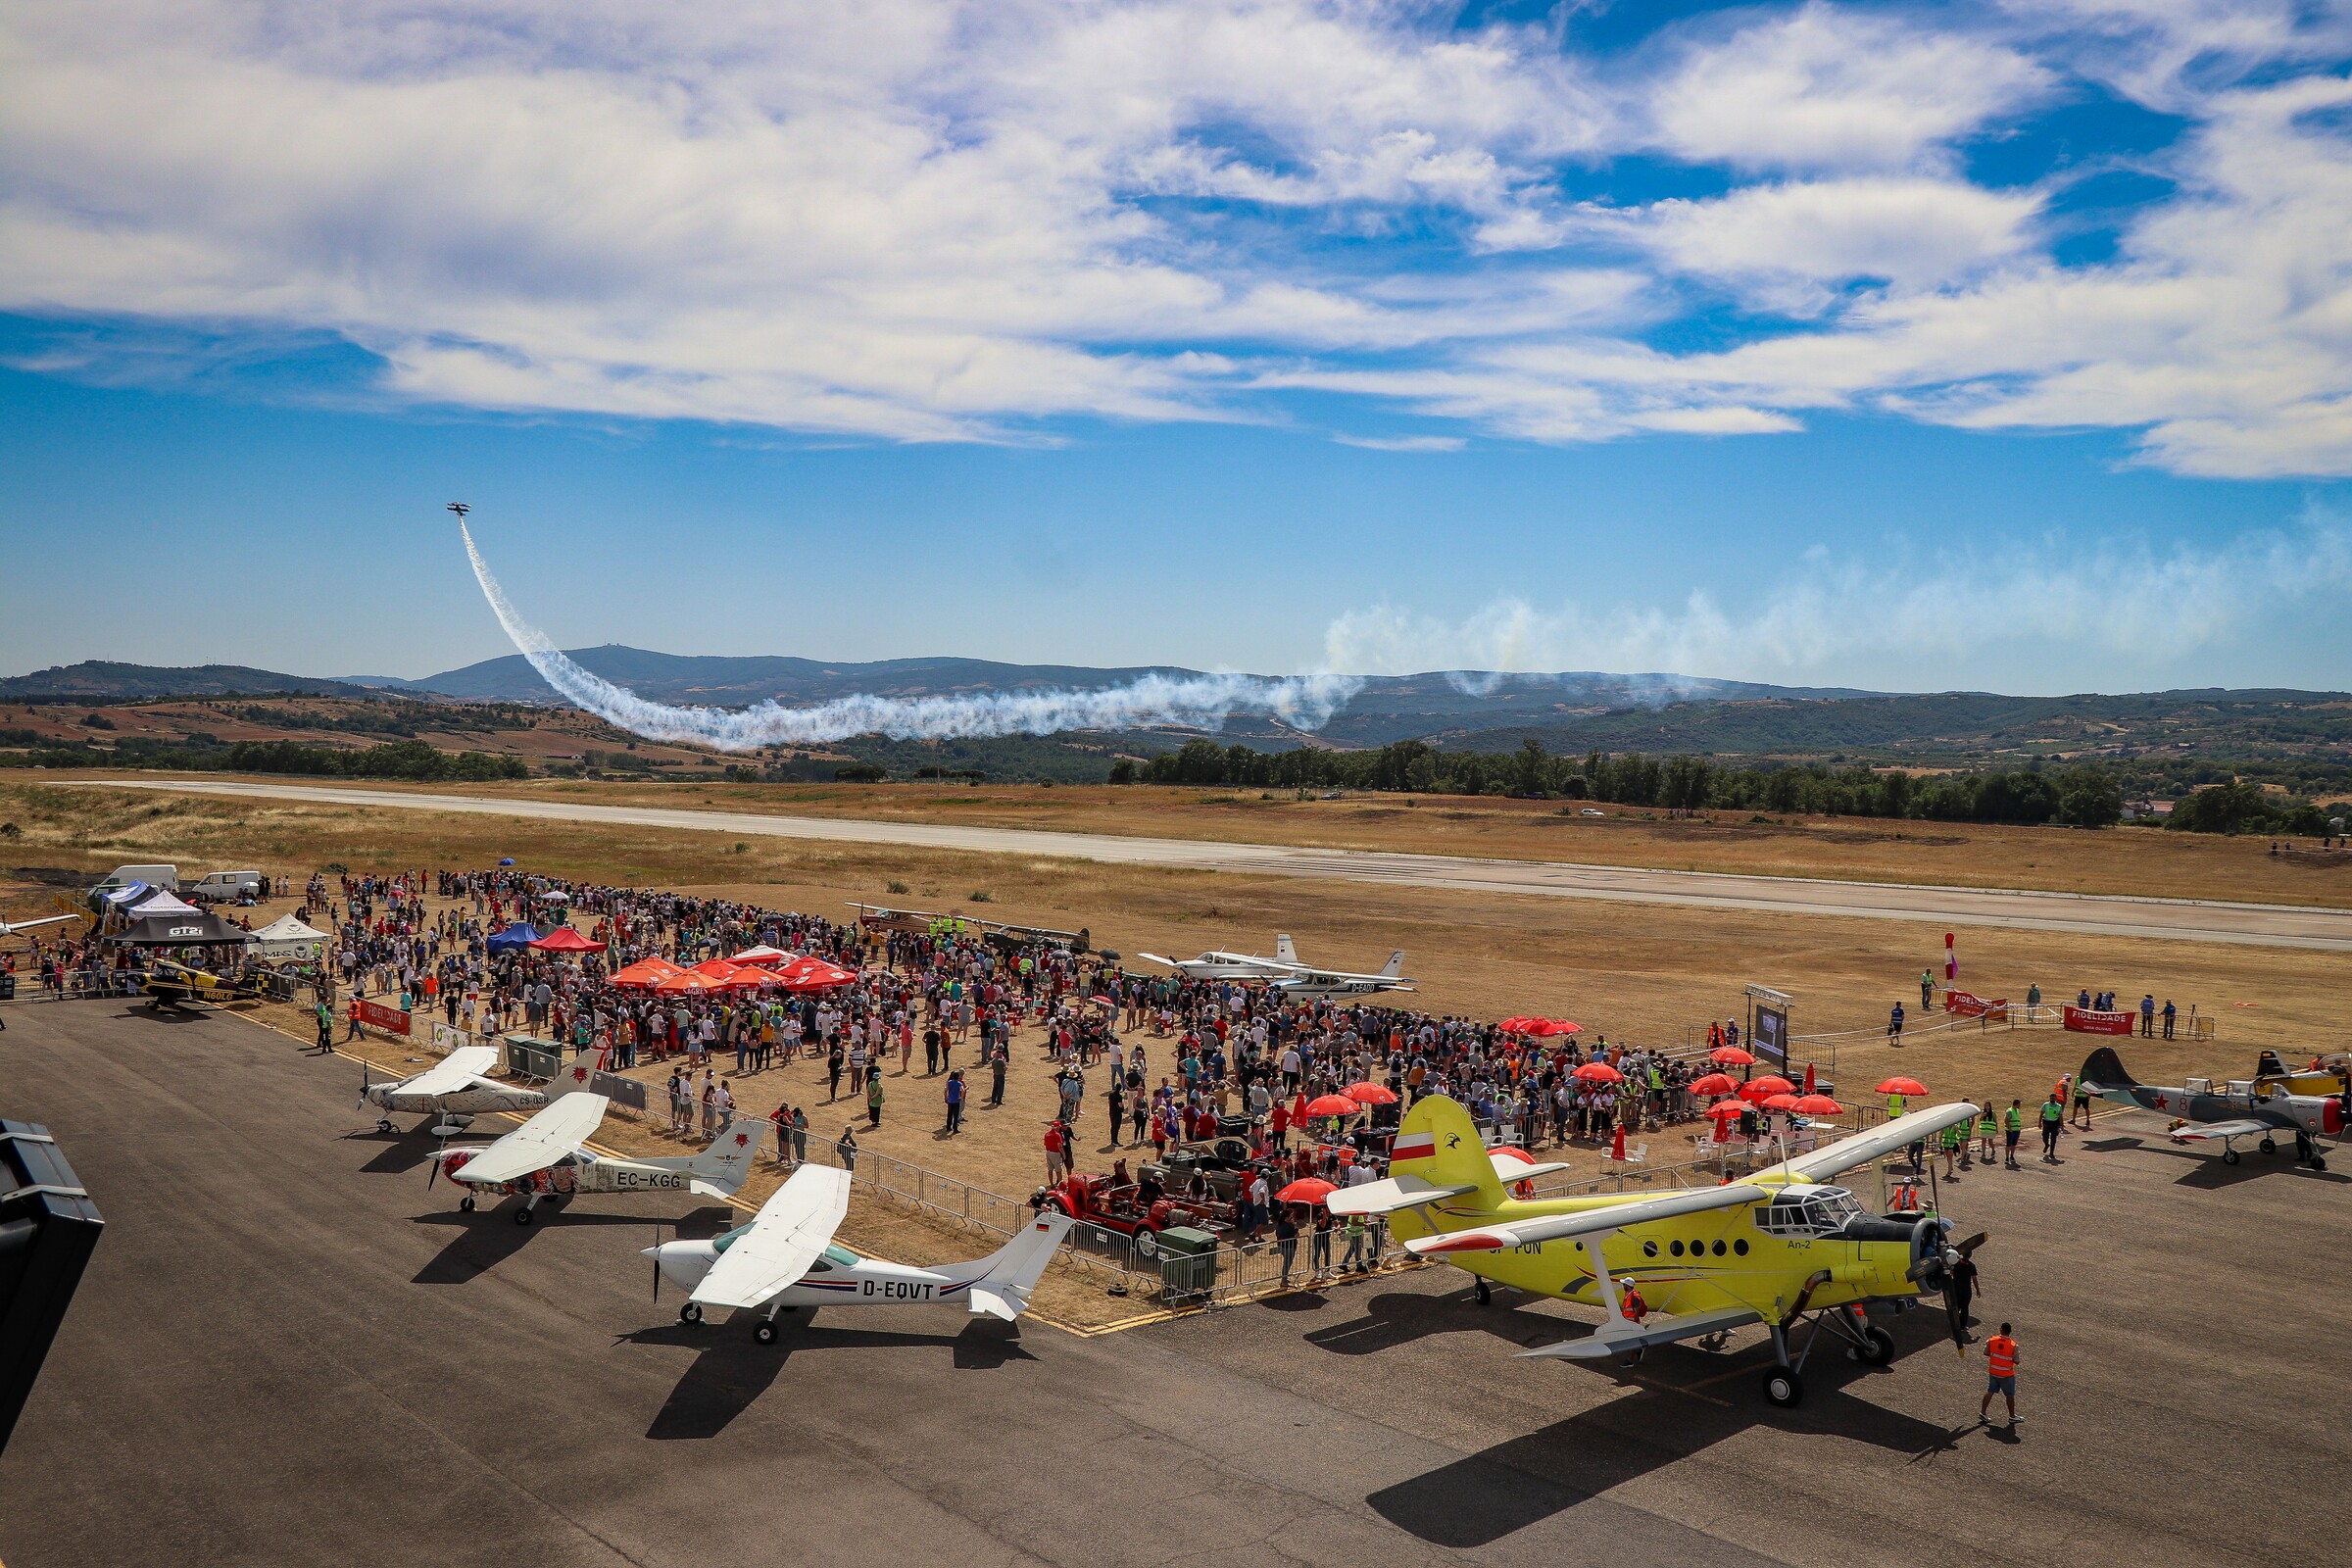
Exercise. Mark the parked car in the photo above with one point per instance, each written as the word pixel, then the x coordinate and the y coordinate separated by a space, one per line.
pixel 165 877
pixel 225 887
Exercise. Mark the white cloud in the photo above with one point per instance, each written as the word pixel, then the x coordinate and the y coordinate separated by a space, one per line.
pixel 1833 89
pixel 1403 443
pixel 2114 607
pixel 941 219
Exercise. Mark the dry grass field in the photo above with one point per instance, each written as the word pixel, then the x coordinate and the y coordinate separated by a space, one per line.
pixel 2145 861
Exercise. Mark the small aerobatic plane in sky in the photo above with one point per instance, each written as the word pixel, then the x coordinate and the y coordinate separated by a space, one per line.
pixel 547 1157
pixel 784 1259
pixel 1775 1248
pixel 456 1089
pixel 2242 1109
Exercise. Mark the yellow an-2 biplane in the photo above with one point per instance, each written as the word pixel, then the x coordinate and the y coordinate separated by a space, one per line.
pixel 1774 1248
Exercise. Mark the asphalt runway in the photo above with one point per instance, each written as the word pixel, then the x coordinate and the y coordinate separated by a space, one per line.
pixel 2118 916
pixel 288 1351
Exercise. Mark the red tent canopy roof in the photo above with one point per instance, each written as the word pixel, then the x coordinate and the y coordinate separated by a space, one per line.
pixel 564 939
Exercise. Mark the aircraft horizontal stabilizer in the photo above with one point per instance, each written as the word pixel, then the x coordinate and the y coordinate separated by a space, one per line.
pixel 1620 1337
pixel 1006 1301
pixel 1389 1197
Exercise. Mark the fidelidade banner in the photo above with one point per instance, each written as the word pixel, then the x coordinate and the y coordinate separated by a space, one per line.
pixel 375 1016
pixel 1963 1005
pixel 2091 1021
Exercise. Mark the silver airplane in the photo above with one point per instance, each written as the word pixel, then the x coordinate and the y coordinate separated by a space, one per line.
pixel 2241 1109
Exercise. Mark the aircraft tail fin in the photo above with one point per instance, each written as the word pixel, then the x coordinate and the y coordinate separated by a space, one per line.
pixel 1013 1268
pixel 1284 950
pixel 1439 1143
pixel 719 1170
pixel 2269 1067
pixel 2104 1069
pixel 1394 969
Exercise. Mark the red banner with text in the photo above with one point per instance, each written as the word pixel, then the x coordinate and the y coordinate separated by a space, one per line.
pixel 375 1016
pixel 2089 1021
pixel 1963 1005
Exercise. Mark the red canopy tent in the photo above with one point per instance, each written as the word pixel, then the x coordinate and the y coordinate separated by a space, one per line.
pixel 564 939
pixel 813 974
pixel 645 974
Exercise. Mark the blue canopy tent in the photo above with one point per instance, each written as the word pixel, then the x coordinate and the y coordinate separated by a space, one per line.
pixel 513 938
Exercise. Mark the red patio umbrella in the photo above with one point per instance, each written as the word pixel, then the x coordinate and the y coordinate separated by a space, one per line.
pixel 564 939
pixel 687 980
pixel 1770 1084
pixel 1597 1073
pixel 1780 1101
pixel 1369 1093
pixel 1730 1057
pixel 1714 1083
pixel 1306 1190
pixel 1512 1026
pixel 1818 1105
pixel 1726 1110
pixel 1899 1085
pixel 1332 1105
pixel 1545 1028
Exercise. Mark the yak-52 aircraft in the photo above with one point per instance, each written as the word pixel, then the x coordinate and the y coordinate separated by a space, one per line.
pixel 456 1088
pixel 784 1259
pixel 2242 1109
pixel 547 1157
pixel 1775 1248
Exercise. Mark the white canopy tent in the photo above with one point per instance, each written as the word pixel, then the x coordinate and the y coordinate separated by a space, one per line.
pixel 286 938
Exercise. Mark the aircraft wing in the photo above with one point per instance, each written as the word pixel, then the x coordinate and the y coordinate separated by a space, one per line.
pixel 2199 1132
pixel 1836 1158
pixel 1586 1221
pixel 789 1233
pixel 1388 1196
pixel 27 925
pixel 539 1143
pixel 457 1070
pixel 1156 958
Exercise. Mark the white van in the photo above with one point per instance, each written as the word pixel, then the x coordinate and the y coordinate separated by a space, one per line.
pixel 225 887
pixel 165 877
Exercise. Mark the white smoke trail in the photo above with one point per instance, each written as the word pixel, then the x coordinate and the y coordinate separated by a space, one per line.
pixel 1203 702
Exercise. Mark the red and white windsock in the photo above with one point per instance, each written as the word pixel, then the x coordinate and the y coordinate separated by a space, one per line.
pixel 1951 960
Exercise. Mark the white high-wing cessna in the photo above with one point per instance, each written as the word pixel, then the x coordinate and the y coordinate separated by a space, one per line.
pixel 1218 965
pixel 9 928
pixel 456 1087
pixel 784 1259
pixel 1319 984
pixel 547 1157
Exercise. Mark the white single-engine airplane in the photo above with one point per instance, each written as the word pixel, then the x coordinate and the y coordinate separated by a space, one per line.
pixel 1218 965
pixel 784 1259
pixel 547 1157
pixel 9 928
pixel 1321 984
pixel 456 1088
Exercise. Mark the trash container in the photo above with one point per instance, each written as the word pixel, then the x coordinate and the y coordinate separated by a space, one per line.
pixel 8 985
pixel 1188 1261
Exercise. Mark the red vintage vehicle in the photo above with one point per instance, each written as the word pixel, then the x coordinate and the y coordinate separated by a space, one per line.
pixel 1138 1210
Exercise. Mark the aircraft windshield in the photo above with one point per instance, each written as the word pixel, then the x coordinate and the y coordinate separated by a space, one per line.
pixel 1830 1208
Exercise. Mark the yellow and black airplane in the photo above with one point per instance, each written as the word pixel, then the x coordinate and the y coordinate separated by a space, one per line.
pixel 171 984
pixel 1775 1248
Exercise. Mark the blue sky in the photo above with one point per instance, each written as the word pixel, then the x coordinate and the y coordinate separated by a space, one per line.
pixel 1920 346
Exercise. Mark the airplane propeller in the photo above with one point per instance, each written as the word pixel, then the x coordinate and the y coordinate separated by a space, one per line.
pixel 656 1263
pixel 363 1085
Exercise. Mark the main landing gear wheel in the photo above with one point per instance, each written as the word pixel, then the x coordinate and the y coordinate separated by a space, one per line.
pixel 690 1314
pixel 1876 1348
pixel 383 1124
pixel 465 1204
pixel 1783 1388
pixel 522 1215
pixel 1481 1292
pixel 2231 1156
pixel 766 1332
pixel 2319 1163
pixel 2270 1145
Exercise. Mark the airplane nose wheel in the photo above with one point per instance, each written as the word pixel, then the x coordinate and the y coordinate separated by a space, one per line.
pixel 465 1204
pixel 383 1124
pixel 766 1332
pixel 1481 1292
pixel 522 1215
pixel 1783 1388
pixel 690 1314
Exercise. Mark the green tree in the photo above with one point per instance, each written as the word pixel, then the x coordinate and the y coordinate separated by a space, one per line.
pixel 2089 797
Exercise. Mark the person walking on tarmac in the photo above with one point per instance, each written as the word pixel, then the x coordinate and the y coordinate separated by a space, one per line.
pixel 326 1029
pixel 2013 1127
pixel 2000 1356
pixel 2053 1118
pixel 1960 1288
